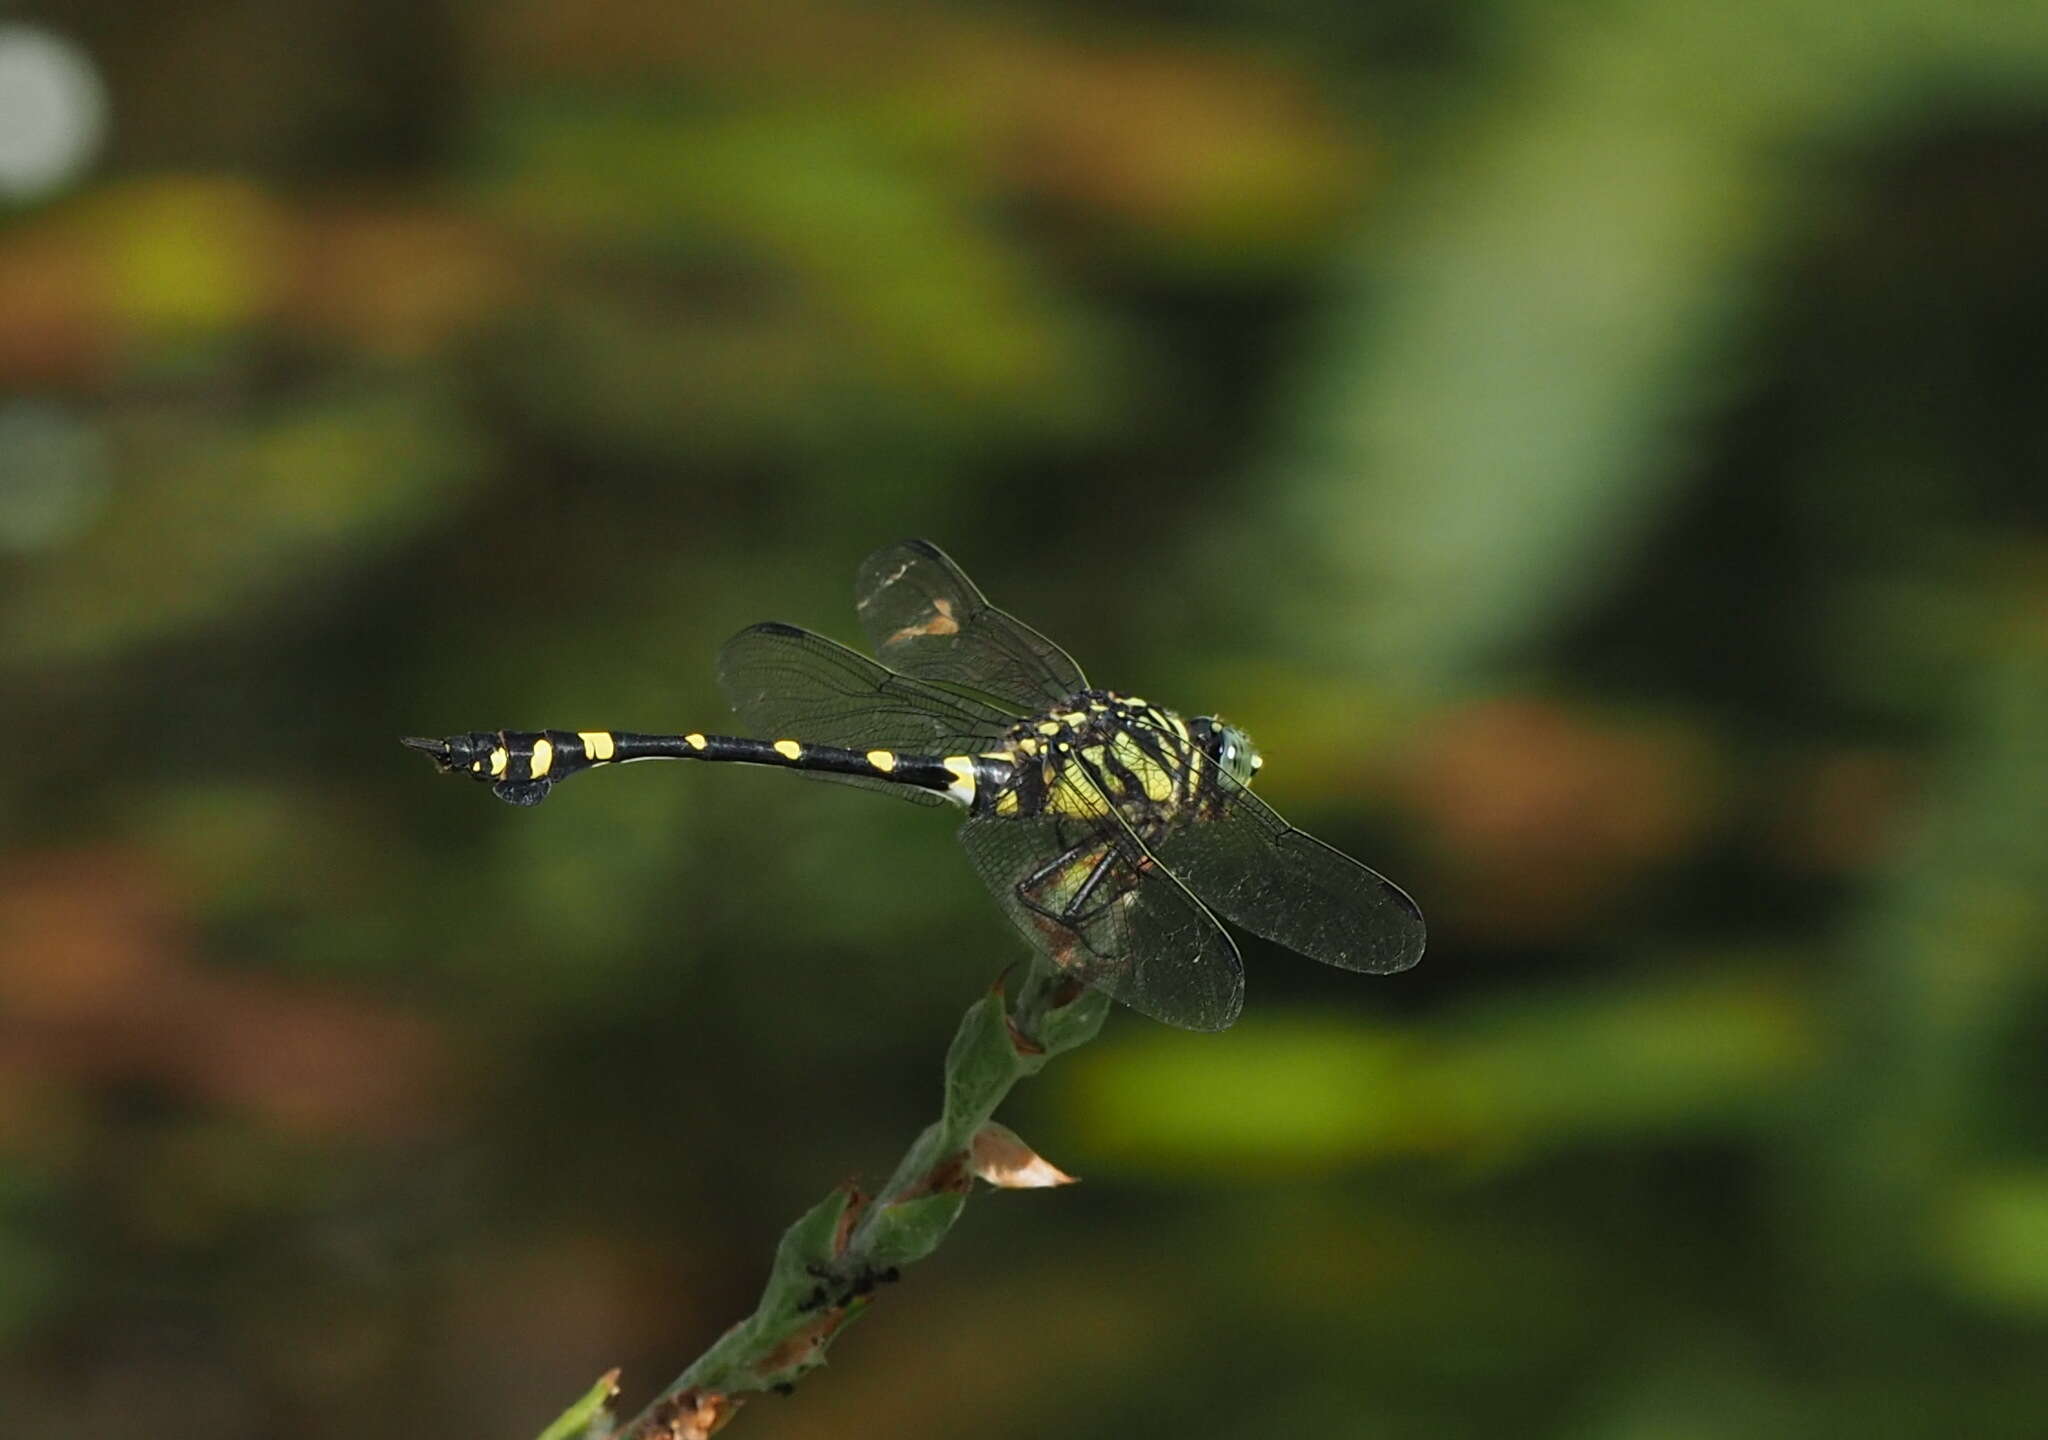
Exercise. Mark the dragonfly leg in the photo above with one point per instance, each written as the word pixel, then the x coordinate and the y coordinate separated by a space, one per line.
pixel 1069 913
pixel 1057 863
pixel 1057 910
pixel 1076 909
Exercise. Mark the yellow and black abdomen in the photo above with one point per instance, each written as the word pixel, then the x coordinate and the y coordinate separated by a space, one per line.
pixel 521 766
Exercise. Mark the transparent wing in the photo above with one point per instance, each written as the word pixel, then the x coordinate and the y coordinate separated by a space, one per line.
pixel 927 619
pixel 787 683
pixel 1256 870
pixel 1088 894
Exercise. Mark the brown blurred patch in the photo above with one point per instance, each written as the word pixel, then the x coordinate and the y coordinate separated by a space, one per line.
pixel 55 313
pixel 1221 149
pixel 777 42
pixel 129 265
pixel 98 986
pixel 395 281
pixel 1546 814
pixel 1210 148
pixel 137 263
pixel 515 1321
pixel 1843 810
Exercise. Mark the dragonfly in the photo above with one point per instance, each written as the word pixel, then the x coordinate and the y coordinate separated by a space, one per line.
pixel 1113 832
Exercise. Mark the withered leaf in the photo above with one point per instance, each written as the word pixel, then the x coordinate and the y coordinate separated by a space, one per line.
pixel 1001 1158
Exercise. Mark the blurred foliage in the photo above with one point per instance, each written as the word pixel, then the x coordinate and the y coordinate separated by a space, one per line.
pixel 1599 454
pixel 1488 1088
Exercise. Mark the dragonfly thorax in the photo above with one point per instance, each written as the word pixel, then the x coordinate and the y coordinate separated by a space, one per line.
pixel 1098 746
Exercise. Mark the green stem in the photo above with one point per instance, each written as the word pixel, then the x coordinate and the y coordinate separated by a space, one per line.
pixel 829 1262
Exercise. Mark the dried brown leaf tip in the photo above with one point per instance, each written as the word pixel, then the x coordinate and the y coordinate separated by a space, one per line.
pixel 1002 1159
pixel 949 1176
pixel 692 1414
pixel 1020 1042
pixel 856 1203
pixel 800 1348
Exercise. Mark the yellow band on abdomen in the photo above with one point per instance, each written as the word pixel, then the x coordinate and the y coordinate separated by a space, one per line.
pixel 962 788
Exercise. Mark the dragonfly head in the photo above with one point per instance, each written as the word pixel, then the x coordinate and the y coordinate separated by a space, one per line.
pixel 1233 750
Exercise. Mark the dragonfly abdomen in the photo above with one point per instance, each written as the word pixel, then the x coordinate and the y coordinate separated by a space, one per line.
pixel 521 766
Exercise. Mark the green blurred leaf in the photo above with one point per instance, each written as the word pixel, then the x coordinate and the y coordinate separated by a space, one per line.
pixel 1995 1240
pixel 1513 1077
pixel 1542 315
pixel 218 515
pixel 588 1415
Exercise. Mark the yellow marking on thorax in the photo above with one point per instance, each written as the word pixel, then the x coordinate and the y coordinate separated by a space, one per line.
pixel 789 749
pixel 1048 727
pixel 694 741
pixel 500 758
pixel 1003 755
pixel 1073 718
pixel 1079 798
pixel 1028 745
pixel 962 788
pixel 598 744
pixel 882 760
pixel 1154 777
pixel 542 760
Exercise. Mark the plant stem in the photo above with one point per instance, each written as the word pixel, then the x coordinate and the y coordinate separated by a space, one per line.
pixel 829 1262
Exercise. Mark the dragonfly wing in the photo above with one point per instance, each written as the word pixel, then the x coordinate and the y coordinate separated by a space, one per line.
pixel 1256 870
pixel 1089 895
pixel 784 682
pixel 928 620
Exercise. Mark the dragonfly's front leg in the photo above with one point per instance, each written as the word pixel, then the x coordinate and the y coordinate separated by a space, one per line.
pixel 1077 911
pixel 1066 861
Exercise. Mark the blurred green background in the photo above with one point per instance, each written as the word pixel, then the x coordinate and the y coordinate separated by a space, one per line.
pixel 1598 452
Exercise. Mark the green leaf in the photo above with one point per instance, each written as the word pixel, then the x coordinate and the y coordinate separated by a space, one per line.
pixel 587 1414
pixel 911 1229
pixel 1063 1027
pixel 811 1241
pixel 981 1064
